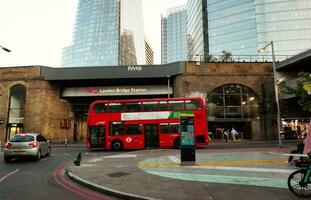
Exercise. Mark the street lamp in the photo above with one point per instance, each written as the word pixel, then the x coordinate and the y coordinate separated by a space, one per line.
pixel 168 86
pixel 276 89
pixel 5 49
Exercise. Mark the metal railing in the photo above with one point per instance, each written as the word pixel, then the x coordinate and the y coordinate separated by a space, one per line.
pixel 238 58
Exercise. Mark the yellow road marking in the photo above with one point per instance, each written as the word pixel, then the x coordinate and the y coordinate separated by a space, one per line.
pixel 220 163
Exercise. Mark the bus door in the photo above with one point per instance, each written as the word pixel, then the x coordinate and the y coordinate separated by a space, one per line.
pixel 97 136
pixel 151 135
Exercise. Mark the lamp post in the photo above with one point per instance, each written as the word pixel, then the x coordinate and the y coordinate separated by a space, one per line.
pixel 276 90
pixel 5 49
pixel 168 86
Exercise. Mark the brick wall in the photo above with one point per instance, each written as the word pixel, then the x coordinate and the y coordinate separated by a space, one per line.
pixel 44 110
pixel 208 76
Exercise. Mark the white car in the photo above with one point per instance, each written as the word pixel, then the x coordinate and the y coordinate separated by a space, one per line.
pixel 23 145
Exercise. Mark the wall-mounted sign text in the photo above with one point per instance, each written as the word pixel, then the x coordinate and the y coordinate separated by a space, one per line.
pixel 116 91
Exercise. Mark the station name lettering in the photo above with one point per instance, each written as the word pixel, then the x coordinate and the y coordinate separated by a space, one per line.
pixel 122 90
pixel 134 68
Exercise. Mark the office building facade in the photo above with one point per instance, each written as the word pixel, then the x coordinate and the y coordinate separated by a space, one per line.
pixel 197 29
pixel 232 27
pixel 163 40
pixel 149 54
pixel 244 26
pixel 286 23
pixel 107 32
pixel 174 35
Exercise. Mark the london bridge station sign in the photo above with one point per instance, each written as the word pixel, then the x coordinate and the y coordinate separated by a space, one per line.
pixel 116 91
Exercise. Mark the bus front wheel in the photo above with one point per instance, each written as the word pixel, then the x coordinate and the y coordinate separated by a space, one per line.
pixel 116 146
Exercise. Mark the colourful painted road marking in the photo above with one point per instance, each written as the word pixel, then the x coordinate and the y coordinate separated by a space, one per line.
pixel 289 154
pixel 243 168
pixel 238 180
pixel 218 163
pixel 247 169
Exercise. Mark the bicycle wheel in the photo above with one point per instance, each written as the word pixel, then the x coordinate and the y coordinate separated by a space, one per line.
pixel 296 185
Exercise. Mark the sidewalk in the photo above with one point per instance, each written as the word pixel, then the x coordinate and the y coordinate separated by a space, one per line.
pixel 218 174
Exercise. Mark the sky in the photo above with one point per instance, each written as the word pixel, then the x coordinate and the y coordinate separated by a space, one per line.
pixel 37 30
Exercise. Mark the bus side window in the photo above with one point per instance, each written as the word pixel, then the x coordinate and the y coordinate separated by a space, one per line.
pixel 163 106
pixel 132 107
pixel 164 128
pixel 101 107
pixel 193 104
pixel 177 105
pixel 174 128
pixel 134 129
pixel 116 128
pixel 116 107
pixel 150 106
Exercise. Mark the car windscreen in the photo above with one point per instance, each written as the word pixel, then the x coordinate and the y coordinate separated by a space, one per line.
pixel 22 138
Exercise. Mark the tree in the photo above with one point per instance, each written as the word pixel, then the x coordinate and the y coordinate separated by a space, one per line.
pixel 299 90
pixel 226 56
pixel 210 58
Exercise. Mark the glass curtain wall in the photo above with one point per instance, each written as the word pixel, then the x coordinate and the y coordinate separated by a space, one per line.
pixel 197 30
pixel 163 40
pixel 286 23
pixel 232 27
pixel 96 35
pixel 132 39
pixel 106 32
pixel 176 34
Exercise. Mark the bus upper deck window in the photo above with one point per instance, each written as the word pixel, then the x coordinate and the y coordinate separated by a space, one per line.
pixel 177 105
pixel 132 107
pixel 101 107
pixel 150 106
pixel 116 107
pixel 193 104
pixel 163 105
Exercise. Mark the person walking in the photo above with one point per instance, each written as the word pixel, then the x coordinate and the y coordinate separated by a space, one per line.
pixel 226 134
pixel 234 133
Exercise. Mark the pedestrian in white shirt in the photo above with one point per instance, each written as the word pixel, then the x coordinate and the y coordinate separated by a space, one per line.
pixel 234 133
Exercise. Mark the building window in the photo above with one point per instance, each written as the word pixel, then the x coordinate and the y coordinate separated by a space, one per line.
pixel 232 101
pixel 17 104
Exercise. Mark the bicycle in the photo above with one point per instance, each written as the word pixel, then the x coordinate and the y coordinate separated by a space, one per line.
pixel 299 182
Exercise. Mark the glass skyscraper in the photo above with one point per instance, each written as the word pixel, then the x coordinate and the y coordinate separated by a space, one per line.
pixel 174 35
pixel 163 40
pixel 244 26
pixel 286 23
pixel 107 32
pixel 197 29
pixel 232 27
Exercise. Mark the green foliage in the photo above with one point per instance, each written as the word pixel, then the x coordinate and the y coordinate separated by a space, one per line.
pixel 304 98
pixel 226 56
pixel 210 58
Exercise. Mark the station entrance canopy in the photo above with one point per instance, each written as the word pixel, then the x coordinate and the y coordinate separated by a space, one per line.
pixel 113 82
pixel 113 72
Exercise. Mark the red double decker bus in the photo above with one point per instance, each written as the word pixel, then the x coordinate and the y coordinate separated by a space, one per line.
pixel 143 123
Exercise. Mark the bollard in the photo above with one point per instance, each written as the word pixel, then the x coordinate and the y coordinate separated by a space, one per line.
pixel 78 160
